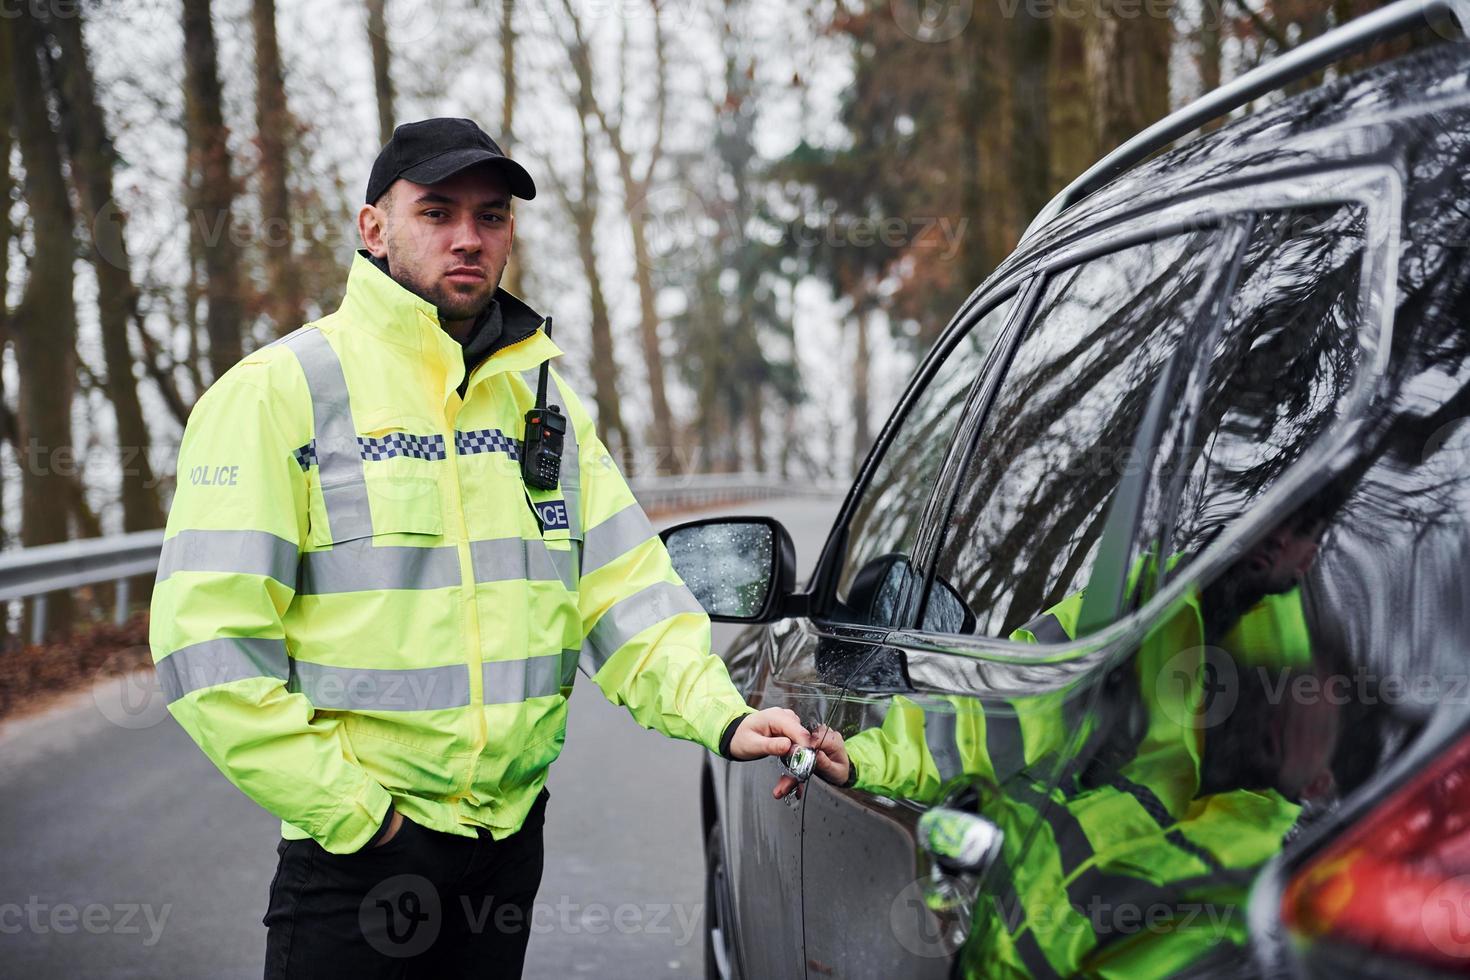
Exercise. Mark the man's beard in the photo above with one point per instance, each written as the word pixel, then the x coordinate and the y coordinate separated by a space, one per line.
pixel 448 305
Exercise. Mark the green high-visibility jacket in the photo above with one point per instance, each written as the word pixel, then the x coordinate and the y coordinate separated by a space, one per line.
pixel 360 601
pixel 1137 877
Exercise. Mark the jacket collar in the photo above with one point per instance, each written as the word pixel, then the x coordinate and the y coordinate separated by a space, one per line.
pixel 378 304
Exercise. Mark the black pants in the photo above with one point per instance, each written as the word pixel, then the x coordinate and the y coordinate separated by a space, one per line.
pixel 423 904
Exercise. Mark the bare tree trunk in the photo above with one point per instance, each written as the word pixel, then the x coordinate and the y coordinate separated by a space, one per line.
pixel 7 114
pixel 1031 145
pixel 1130 71
pixel 382 73
pixel 214 188
pixel 755 419
pixel 1073 144
pixel 984 122
pixel 583 210
pixel 44 324
pixel 1208 53
pixel 604 363
pixel 861 436
pixel 511 280
pixel 92 162
pixel 788 443
pixel 648 322
pixel 272 125
pixel 635 197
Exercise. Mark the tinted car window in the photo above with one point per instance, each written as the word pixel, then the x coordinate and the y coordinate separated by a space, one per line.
pixel 1061 431
pixel 886 522
pixel 1278 372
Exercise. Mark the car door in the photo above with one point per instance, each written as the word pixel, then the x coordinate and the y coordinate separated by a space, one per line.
pixel 792 664
pixel 761 836
pixel 1044 508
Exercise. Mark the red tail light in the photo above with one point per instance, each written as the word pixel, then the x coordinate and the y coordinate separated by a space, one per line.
pixel 1398 882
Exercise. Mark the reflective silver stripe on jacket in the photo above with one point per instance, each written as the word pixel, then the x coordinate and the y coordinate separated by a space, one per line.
pixel 512 681
pixel 233 552
pixel 630 616
pixel 615 537
pixel 359 566
pixel 376 689
pixel 508 559
pixel 220 661
pixel 339 457
pixel 941 734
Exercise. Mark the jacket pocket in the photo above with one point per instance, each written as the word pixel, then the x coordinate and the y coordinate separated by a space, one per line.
pixel 387 504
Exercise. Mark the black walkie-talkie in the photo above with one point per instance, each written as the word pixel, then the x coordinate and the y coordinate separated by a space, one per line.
pixel 546 428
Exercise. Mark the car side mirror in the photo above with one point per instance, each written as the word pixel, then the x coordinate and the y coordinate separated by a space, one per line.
pixel 741 569
pixel 882 585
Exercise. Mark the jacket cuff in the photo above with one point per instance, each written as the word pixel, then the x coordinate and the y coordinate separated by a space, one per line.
pixel 382 828
pixel 356 823
pixel 729 735
pixel 851 774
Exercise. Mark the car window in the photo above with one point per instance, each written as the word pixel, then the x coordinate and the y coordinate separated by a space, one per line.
pixel 1305 603
pixel 885 524
pixel 1219 736
pixel 1151 786
pixel 1060 435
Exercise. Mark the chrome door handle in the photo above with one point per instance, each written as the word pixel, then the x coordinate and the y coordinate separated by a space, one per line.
pixel 958 840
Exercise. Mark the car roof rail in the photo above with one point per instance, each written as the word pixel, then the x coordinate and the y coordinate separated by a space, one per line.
pixel 1380 25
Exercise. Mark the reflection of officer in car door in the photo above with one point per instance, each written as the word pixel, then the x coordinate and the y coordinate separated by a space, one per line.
pixel 1254 613
pixel 1186 807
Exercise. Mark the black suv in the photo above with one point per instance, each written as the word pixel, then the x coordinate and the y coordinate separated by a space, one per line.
pixel 1141 643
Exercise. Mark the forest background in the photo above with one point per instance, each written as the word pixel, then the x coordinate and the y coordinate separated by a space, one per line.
pixel 754 217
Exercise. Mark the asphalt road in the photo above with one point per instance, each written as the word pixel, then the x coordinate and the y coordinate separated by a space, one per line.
pixel 126 854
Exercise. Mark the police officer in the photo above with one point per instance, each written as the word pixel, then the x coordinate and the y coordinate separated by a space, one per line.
pixel 369 615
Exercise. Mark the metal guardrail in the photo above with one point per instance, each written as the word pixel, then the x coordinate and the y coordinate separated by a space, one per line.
pixel 708 489
pixel 56 567
pixel 28 572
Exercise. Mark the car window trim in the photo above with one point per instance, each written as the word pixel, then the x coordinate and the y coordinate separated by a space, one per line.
pixel 957 459
pixel 1194 391
pixel 1378 187
pixel 1094 249
pixel 822 584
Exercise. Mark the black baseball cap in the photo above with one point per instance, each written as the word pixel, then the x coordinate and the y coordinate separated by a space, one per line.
pixel 432 150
